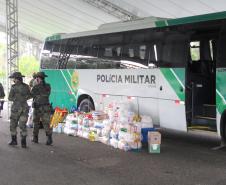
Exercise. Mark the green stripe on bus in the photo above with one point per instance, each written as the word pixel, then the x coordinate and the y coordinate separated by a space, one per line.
pixel 221 90
pixel 192 19
pixel 67 77
pixel 174 82
pixel 53 37
pixel 198 18
pixel 180 74
pixel 61 94
pixel 220 103
pixel 160 23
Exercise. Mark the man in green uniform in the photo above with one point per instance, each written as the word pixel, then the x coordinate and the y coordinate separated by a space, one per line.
pixel 2 95
pixel 19 94
pixel 42 109
pixel 32 82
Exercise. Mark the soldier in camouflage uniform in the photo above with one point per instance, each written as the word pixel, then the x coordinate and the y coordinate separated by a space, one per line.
pixel 42 108
pixel 19 94
pixel 2 95
pixel 33 81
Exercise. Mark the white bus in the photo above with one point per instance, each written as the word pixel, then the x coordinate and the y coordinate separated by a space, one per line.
pixel 174 70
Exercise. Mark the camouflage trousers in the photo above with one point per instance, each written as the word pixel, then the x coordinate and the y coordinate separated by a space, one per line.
pixel 42 114
pixel 19 116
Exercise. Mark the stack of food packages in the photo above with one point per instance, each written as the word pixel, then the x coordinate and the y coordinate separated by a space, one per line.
pixel 116 125
pixel 71 125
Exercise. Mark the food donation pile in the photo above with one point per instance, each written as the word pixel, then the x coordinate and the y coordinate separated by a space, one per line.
pixel 116 125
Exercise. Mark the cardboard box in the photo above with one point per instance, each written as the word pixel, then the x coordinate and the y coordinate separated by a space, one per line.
pixel 154 137
pixel 153 148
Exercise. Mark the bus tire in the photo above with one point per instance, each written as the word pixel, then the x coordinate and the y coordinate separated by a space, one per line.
pixel 86 105
pixel 223 126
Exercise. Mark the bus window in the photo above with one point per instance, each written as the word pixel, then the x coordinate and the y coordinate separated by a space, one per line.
pixel 136 53
pixel 142 52
pixel 131 52
pixel 108 52
pixel 111 39
pixel 88 46
pixel 175 51
pixel 221 49
pixel 155 53
pixel 51 52
pixel 152 56
pixel 56 46
pixel 118 51
pixel 74 45
pixel 48 46
pixel 211 49
pixel 128 52
pixel 195 50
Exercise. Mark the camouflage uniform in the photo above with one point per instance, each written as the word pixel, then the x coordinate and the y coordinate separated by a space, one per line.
pixel 32 83
pixel 42 109
pixel 19 94
pixel 2 95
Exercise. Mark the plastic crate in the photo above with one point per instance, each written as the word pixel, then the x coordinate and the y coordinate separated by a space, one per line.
pixel 144 133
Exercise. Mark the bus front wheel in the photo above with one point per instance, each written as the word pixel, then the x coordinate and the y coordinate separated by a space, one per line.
pixel 86 105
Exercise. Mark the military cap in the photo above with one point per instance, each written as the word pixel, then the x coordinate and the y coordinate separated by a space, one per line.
pixel 41 75
pixel 16 75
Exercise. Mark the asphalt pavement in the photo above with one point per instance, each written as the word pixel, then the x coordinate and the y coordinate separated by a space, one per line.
pixel 185 159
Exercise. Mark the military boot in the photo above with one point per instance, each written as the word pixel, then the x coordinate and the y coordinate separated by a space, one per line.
pixel 49 139
pixel 35 139
pixel 23 142
pixel 13 141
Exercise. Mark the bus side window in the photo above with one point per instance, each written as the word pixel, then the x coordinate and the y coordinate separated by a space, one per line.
pixel 112 52
pixel 118 51
pixel 107 44
pixel 143 52
pixel 128 52
pixel 131 52
pixel 213 49
pixel 108 52
pixel 88 46
pixel 48 46
pixel 80 50
pixel 195 50
pixel 221 48
pixel 136 53
pixel 51 62
pixel 175 51
pixel 153 54
pixel 94 50
pixel 45 55
pixel 74 47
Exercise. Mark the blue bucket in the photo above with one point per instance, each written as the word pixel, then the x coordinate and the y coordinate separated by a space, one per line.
pixel 144 133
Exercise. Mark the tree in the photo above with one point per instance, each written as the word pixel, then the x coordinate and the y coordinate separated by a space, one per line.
pixel 28 65
pixel 2 59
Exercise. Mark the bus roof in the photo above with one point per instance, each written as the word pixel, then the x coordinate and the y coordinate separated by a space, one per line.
pixel 148 22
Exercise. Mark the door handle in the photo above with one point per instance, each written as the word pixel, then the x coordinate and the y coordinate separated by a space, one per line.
pixel 160 88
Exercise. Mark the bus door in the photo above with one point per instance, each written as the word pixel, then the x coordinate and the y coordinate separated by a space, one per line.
pixel 200 82
pixel 172 81
pixel 221 83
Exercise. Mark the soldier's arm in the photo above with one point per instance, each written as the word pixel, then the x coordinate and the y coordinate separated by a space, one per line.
pixel 2 93
pixel 49 89
pixel 11 94
pixel 34 91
